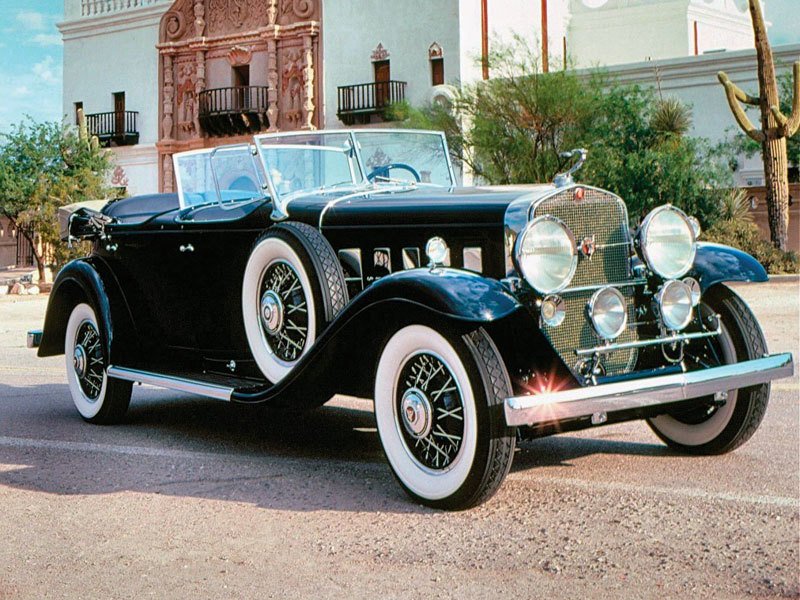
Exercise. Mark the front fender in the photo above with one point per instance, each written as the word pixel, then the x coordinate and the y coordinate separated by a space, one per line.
pixel 715 263
pixel 461 295
pixel 88 280
pixel 344 357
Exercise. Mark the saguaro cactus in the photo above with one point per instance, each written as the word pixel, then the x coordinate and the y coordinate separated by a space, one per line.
pixel 775 126
pixel 83 131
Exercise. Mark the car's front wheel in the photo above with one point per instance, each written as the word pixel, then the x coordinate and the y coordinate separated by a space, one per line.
pixel 439 410
pixel 99 398
pixel 716 426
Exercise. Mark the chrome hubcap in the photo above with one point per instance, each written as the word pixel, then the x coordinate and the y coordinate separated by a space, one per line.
pixel 416 411
pixel 79 361
pixel 271 312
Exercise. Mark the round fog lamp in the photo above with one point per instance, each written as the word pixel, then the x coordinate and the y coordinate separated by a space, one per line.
pixel 608 313
pixel 675 304
pixel 553 310
pixel 436 250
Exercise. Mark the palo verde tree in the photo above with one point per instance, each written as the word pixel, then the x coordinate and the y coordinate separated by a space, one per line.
pixel 776 127
pixel 44 166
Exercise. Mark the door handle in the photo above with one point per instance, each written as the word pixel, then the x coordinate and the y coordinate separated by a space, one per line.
pixel 186 248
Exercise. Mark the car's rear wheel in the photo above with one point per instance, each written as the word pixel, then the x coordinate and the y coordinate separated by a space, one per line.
pixel 439 410
pixel 99 398
pixel 718 426
pixel 293 287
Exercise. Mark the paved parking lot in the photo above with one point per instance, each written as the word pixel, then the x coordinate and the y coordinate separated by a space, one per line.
pixel 194 498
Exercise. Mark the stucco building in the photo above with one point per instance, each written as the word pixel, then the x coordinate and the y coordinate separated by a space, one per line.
pixel 160 76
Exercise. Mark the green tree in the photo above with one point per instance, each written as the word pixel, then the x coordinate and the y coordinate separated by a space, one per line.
pixel 513 128
pixel 44 166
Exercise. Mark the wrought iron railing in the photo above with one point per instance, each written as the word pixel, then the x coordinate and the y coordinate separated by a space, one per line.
pixel 232 110
pixel 363 100
pixel 119 127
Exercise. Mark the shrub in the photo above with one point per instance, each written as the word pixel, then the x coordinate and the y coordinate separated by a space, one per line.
pixel 746 236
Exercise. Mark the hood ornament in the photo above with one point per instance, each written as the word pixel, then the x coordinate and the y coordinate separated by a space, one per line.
pixel 564 179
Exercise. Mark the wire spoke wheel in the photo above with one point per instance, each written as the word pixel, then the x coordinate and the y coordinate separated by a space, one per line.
pixel 98 397
pixel 430 407
pixel 88 360
pixel 284 311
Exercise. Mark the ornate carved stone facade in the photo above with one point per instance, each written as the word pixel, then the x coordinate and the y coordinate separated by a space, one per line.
pixel 206 45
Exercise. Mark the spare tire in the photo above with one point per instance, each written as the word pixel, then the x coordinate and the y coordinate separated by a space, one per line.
pixel 293 288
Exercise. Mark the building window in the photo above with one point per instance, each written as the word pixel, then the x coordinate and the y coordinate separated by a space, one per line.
pixel 437 71
pixel 78 106
pixel 436 56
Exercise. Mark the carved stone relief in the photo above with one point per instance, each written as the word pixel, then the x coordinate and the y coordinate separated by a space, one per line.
pixel 380 53
pixel 292 87
pixel 187 97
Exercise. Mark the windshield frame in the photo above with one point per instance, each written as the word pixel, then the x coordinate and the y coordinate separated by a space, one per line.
pixel 281 202
pixel 211 153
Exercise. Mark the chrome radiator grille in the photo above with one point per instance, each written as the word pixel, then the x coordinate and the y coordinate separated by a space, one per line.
pixel 604 217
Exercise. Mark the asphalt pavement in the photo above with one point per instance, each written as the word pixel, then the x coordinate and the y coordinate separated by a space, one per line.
pixel 193 498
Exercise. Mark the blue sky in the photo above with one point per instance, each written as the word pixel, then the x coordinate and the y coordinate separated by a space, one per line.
pixel 31 54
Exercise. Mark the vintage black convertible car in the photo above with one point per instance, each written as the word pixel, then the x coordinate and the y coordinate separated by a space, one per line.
pixel 350 262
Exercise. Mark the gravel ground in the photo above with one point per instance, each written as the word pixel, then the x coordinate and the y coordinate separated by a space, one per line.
pixel 194 498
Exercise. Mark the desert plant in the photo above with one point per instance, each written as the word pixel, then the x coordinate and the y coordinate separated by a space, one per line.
pixel 735 206
pixel 671 117
pixel 776 127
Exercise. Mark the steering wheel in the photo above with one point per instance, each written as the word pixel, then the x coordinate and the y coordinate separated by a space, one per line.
pixel 383 171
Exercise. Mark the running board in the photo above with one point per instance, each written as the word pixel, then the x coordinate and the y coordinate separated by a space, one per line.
pixel 170 382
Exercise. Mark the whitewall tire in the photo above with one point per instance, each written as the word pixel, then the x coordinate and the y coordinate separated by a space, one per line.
pixel 98 398
pixel 438 407
pixel 292 287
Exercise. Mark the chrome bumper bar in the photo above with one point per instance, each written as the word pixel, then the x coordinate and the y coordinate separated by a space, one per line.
pixel 597 401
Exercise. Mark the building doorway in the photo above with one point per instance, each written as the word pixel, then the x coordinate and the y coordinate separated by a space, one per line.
pixel 382 77
pixel 119 114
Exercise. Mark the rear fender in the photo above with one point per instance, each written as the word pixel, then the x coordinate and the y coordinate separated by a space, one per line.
pixel 89 280
pixel 715 263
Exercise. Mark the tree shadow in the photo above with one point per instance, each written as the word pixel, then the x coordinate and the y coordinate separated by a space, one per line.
pixel 180 445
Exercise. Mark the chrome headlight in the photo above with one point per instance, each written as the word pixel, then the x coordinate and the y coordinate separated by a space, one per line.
pixel 608 313
pixel 675 304
pixel 546 254
pixel 668 242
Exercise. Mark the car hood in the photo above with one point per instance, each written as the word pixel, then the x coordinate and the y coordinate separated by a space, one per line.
pixel 419 206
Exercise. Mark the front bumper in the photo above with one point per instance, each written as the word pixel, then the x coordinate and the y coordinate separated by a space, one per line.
pixel 597 401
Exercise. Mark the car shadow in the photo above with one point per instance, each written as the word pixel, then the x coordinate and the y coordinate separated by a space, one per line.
pixel 326 459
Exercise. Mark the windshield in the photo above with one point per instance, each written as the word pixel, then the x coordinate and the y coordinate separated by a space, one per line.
pixel 228 174
pixel 299 163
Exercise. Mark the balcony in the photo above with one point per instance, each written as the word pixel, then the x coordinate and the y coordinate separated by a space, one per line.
pixel 114 128
pixel 234 110
pixel 358 103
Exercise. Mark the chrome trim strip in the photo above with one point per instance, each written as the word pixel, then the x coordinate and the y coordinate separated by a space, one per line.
pixel 209 390
pixel 644 393
pixel 678 337
pixel 619 284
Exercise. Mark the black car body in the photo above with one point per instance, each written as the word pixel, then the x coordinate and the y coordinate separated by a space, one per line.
pixel 471 314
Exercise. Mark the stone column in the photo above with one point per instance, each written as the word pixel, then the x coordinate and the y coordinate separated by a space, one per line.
pixel 308 83
pixel 273 113
pixel 199 86
pixel 168 174
pixel 169 96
